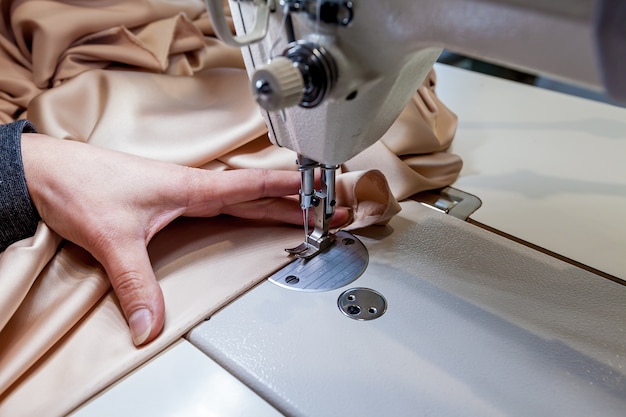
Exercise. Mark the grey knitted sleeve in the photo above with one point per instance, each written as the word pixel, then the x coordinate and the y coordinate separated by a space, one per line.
pixel 18 215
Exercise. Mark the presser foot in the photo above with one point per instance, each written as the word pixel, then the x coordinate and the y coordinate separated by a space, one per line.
pixel 340 263
pixel 311 246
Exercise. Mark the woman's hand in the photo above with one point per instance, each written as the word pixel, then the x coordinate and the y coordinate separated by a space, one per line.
pixel 112 204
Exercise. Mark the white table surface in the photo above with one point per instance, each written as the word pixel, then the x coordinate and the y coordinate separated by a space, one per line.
pixel 179 382
pixel 549 168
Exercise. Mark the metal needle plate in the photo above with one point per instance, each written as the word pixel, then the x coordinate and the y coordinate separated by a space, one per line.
pixel 340 264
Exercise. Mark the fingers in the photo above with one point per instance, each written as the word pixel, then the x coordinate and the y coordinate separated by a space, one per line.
pixel 244 192
pixel 342 216
pixel 139 294
pixel 281 209
pixel 210 191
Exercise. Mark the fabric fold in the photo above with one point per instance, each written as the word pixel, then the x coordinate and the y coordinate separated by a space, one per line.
pixel 411 154
pixel 66 289
pixel 20 265
pixel 369 197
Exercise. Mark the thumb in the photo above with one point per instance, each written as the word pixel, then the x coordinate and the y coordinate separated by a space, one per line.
pixel 137 290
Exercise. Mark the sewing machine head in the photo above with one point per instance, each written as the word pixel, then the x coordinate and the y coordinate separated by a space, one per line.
pixel 333 75
pixel 325 94
pixel 324 72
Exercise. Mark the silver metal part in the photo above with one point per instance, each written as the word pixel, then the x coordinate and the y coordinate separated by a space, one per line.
pixel 362 304
pixel 450 201
pixel 278 84
pixel 318 70
pixel 307 167
pixel 222 28
pixel 323 203
pixel 338 12
pixel 304 75
pixel 339 265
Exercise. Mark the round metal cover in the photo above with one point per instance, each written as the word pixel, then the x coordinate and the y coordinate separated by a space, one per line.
pixel 343 262
pixel 362 304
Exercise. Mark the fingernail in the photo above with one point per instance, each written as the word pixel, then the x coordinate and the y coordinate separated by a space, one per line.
pixel 140 323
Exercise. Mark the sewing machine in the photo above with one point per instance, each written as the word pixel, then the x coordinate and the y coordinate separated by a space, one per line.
pixel 473 323
pixel 333 75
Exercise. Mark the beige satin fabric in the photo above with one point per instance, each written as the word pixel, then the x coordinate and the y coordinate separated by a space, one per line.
pixel 43 43
pixel 146 77
pixel 201 264
pixel 412 152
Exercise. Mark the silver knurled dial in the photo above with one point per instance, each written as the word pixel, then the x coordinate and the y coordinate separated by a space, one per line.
pixel 278 85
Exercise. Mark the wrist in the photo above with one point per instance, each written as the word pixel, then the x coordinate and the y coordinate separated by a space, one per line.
pixel 18 215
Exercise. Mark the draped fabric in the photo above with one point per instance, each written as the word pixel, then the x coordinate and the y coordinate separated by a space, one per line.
pixel 148 77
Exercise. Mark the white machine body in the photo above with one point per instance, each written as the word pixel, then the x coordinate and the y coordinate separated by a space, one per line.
pixel 382 50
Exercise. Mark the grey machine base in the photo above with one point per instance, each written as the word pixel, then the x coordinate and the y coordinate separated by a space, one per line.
pixel 475 325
